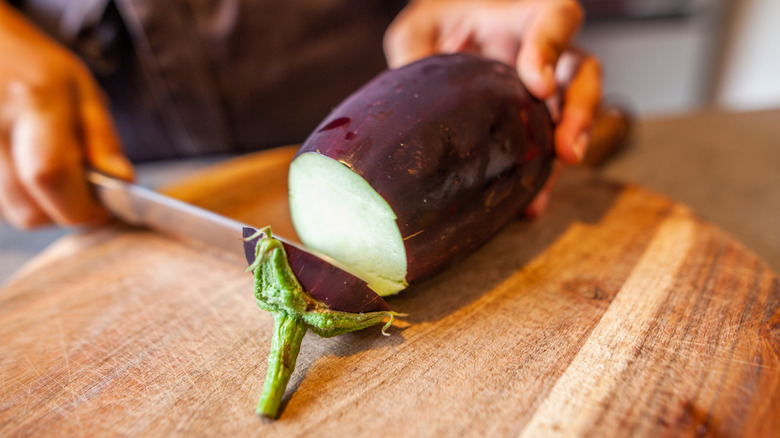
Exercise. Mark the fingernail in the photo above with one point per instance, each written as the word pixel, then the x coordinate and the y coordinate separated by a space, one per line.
pixel 580 145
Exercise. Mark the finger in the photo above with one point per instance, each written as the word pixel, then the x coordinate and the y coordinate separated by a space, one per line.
pixel 539 204
pixel 455 38
pixel 581 101
pixel 496 31
pixel 501 48
pixel 16 205
pixel 47 157
pixel 408 39
pixel 102 147
pixel 550 30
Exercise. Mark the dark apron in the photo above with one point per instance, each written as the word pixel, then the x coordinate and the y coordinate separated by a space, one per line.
pixel 221 76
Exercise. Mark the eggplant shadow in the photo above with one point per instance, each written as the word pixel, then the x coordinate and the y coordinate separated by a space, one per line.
pixel 580 196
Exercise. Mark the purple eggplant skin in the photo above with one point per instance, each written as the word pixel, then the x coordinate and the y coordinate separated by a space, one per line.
pixel 454 143
pixel 348 294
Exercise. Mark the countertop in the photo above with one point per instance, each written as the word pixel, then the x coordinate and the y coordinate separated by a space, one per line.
pixel 725 165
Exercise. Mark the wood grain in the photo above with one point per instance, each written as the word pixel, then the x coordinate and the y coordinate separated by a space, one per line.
pixel 617 313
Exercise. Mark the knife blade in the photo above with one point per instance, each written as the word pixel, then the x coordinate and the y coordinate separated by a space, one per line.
pixel 323 278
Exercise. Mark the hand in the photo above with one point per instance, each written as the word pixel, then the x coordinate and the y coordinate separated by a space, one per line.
pixel 53 123
pixel 533 35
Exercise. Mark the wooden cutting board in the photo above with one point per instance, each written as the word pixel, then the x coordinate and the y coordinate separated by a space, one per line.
pixel 616 313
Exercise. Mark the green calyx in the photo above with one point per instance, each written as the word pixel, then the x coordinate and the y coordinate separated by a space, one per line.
pixel 278 291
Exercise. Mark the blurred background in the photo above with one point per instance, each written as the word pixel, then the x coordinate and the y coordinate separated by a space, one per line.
pixel 673 56
pixel 682 69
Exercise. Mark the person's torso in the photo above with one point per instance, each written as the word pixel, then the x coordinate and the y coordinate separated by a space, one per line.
pixel 217 76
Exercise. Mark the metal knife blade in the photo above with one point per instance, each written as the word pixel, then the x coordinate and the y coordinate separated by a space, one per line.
pixel 320 276
pixel 139 206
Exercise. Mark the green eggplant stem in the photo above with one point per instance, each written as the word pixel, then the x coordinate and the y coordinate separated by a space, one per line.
pixel 285 345
pixel 278 291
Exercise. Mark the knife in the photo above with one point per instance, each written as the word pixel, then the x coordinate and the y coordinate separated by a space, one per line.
pixel 323 278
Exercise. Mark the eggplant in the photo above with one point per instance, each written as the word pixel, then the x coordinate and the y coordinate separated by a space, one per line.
pixel 412 172
pixel 419 167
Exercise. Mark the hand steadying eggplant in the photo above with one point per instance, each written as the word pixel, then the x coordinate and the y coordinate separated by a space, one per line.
pixel 413 171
